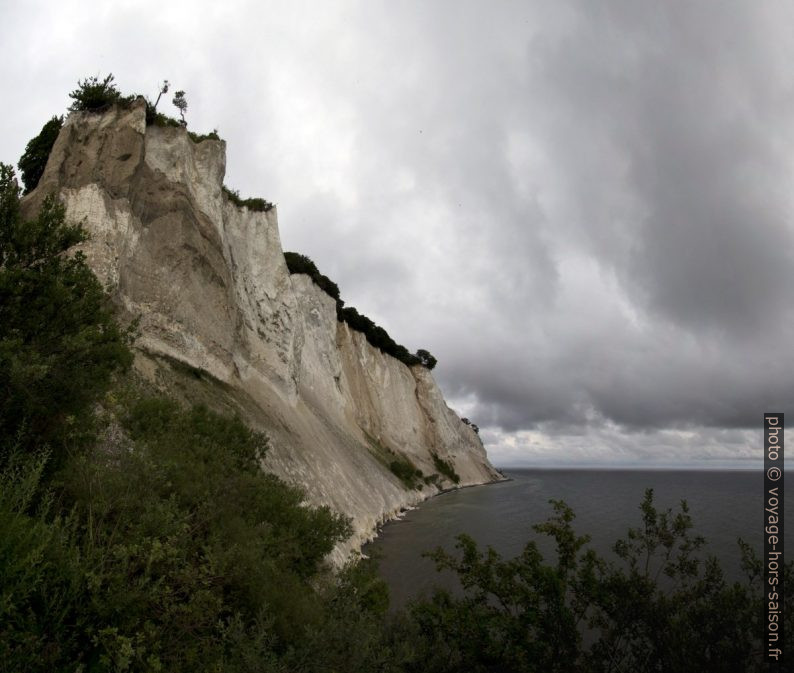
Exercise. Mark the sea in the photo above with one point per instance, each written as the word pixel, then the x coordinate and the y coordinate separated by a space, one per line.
pixel 724 506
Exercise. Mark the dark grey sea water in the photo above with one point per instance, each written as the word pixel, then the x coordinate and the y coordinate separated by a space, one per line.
pixel 724 505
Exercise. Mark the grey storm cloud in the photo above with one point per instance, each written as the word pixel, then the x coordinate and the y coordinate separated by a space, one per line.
pixel 582 209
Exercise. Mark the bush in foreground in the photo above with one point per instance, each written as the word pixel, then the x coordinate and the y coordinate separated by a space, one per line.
pixel 176 552
pixel 59 342
pixel 167 547
pixel 662 606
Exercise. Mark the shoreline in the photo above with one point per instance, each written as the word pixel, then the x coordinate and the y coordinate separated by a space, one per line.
pixel 605 508
pixel 398 517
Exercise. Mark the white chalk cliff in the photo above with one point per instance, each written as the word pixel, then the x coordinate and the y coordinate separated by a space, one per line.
pixel 210 286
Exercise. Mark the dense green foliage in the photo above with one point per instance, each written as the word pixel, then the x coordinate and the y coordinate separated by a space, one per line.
pixel 662 606
pixel 400 465
pixel 380 339
pixel 410 475
pixel 212 135
pixel 256 204
pixel 34 159
pixel 297 263
pixel 95 95
pixel 426 359
pixel 445 467
pixel 178 553
pixel 59 343
pixel 147 537
pixel 375 334
pixel 155 118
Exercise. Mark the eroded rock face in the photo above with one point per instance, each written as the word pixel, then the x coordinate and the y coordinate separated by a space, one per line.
pixel 210 287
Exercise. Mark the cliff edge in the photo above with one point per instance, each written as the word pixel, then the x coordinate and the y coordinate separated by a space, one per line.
pixel 208 281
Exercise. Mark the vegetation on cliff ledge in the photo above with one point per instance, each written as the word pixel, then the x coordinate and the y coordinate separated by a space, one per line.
pixel 255 204
pixel 97 95
pixel 445 467
pixel 375 334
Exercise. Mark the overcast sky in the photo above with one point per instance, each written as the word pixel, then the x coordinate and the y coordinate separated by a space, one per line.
pixel 583 209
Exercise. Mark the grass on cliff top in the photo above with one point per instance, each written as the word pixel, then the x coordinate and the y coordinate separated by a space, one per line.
pixel 256 204
pixel 154 118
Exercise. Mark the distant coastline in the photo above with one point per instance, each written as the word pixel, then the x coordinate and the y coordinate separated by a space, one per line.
pixel 639 468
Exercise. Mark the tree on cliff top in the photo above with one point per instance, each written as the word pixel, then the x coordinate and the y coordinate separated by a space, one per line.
pixel 34 159
pixel 94 95
pixel 426 359
pixel 163 89
pixel 181 103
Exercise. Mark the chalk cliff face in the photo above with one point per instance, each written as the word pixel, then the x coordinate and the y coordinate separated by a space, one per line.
pixel 208 281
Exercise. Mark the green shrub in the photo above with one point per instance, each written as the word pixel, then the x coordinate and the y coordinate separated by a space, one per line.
pixel 297 263
pixel 255 204
pixel 380 339
pixel 426 359
pixel 227 538
pixel 93 95
pixel 155 118
pixel 433 479
pixel 376 335
pixel 179 553
pixel 222 449
pixel 42 580
pixel 662 606
pixel 59 342
pixel 445 468
pixel 213 135
pixel 406 472
pixel 34 159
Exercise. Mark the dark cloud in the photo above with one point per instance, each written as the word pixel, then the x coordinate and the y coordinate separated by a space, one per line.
pixel 582 209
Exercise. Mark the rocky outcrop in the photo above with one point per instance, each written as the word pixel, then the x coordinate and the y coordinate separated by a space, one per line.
pixel 208 282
